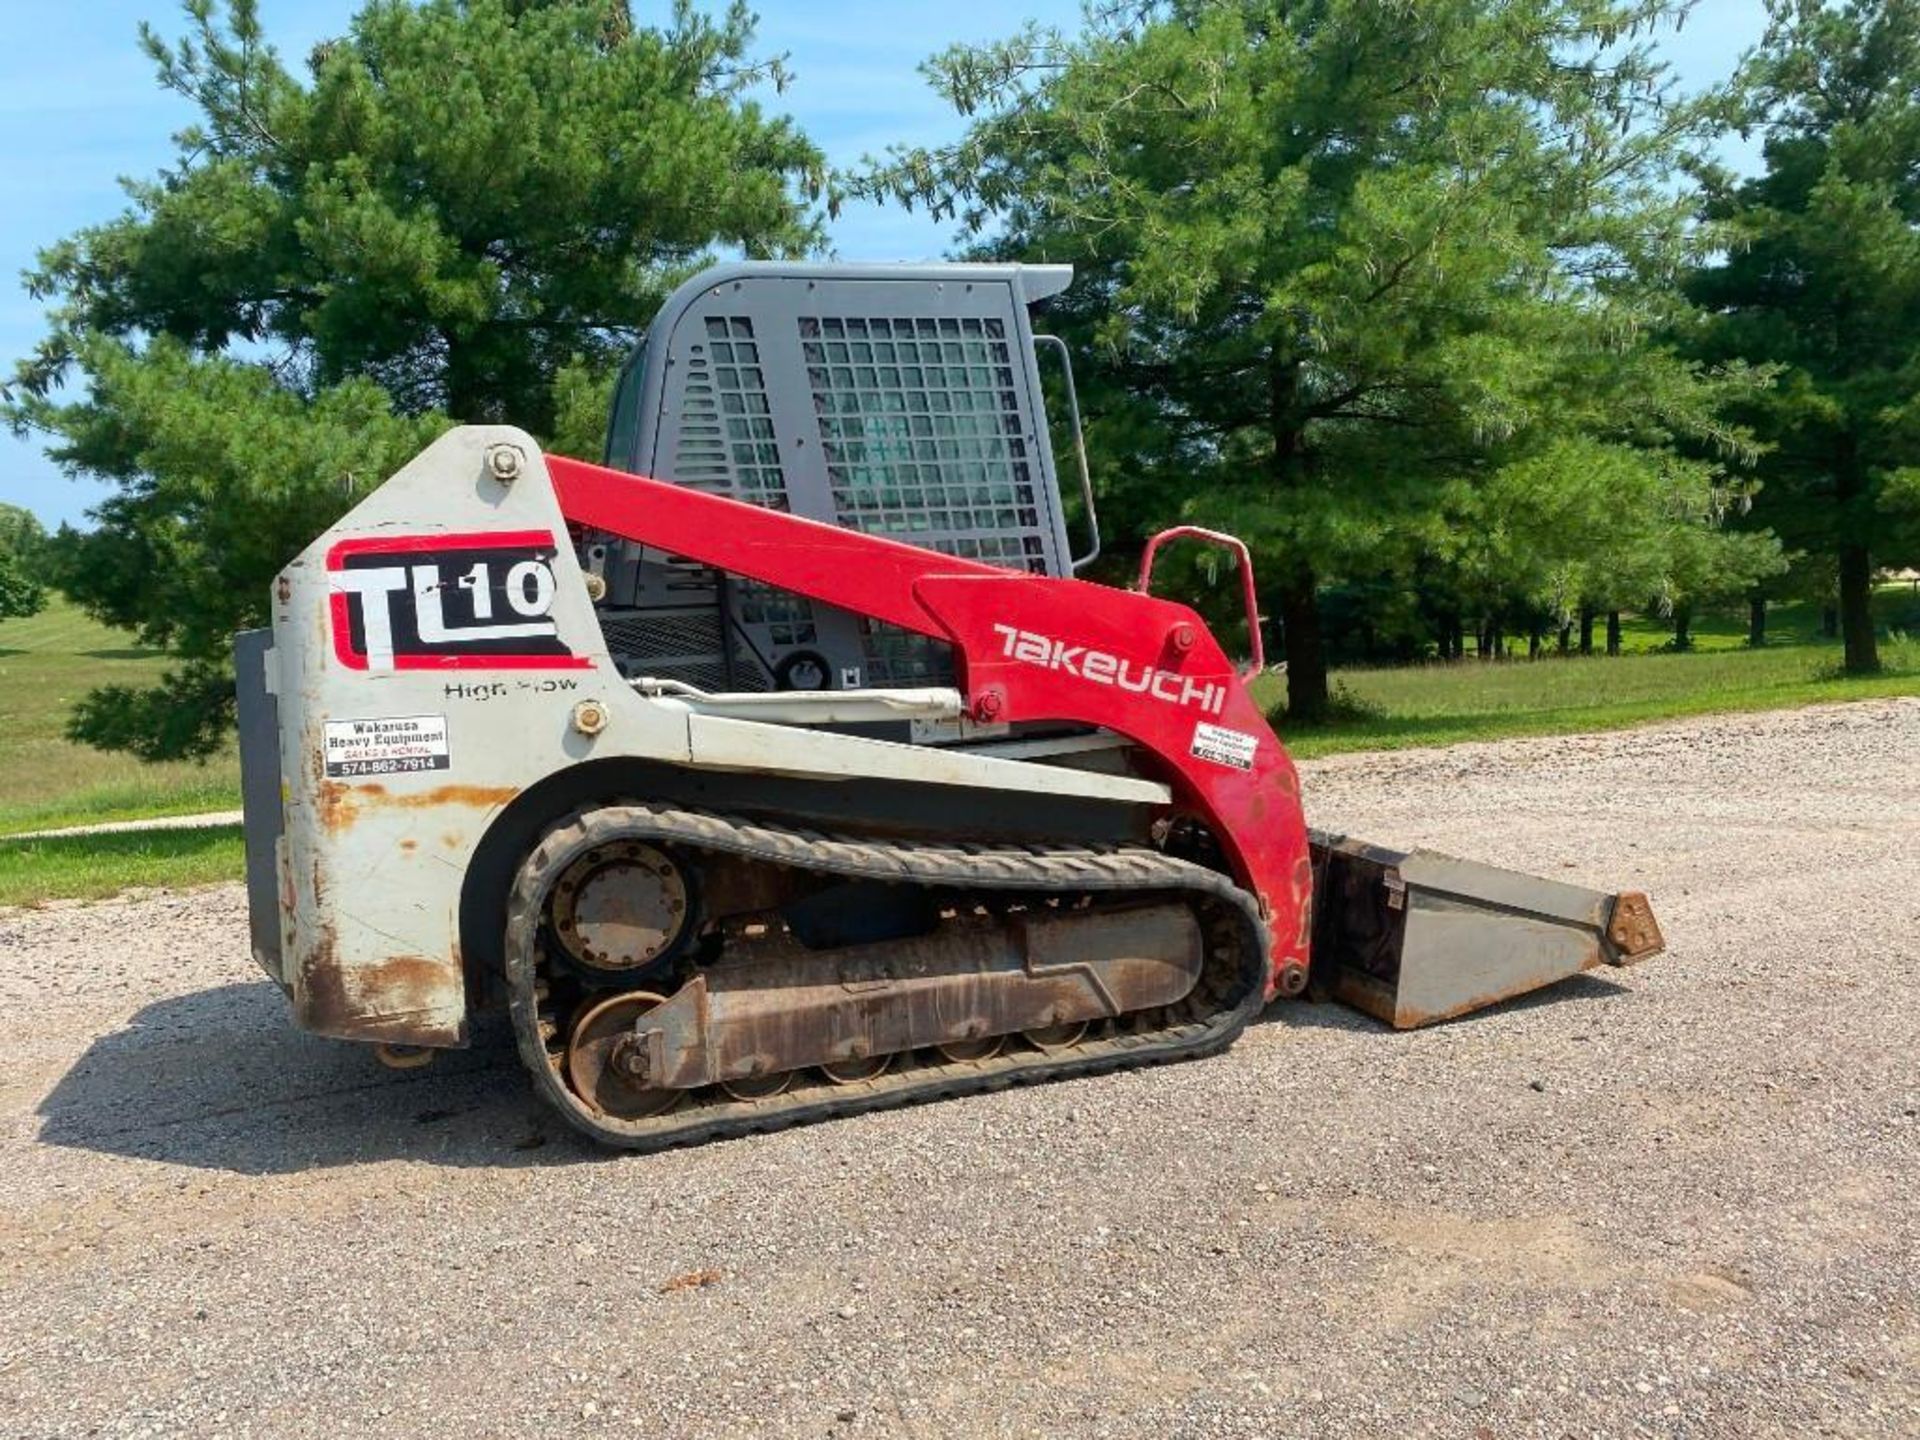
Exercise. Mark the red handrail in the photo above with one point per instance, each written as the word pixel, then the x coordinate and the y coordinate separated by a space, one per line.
pixel 1258 662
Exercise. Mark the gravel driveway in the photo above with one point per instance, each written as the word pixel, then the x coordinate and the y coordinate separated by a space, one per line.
pixel 1677 1201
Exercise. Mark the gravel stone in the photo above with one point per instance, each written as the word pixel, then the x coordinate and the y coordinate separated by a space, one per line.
pixel 1671 1201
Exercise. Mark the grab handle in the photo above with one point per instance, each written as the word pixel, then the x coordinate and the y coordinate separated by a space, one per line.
pixel 1258 662
pixel 1077 562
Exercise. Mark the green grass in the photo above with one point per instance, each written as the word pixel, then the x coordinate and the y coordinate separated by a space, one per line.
pixel 46 781
pixel 49 661
pixel 1439 704
pixel 1896 609
pixel 87 867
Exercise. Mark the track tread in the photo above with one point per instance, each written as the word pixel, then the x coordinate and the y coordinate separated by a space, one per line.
pixel 1033 868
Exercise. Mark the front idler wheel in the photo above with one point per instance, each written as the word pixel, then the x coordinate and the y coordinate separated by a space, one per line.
pixel 607 1063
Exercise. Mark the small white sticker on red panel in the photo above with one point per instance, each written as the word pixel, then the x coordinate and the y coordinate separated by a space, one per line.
pixel 1221 746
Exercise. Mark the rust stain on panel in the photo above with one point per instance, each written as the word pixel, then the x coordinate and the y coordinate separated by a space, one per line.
pixel 478 797
pixel 337 806
pixel 341 805
pixel 400 1000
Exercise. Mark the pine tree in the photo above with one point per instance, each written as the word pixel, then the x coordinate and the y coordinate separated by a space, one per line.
pixel 1344 263
pixel 461 211
pixel 1821 279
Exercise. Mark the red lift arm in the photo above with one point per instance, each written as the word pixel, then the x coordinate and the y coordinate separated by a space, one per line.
pixel 1026 647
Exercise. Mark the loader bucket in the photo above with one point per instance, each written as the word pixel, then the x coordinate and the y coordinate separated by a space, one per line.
pixel 1412 937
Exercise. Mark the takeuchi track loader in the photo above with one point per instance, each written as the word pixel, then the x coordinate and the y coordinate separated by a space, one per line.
pixel 805 779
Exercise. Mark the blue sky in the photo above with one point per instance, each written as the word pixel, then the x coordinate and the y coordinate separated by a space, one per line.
pixel 78 108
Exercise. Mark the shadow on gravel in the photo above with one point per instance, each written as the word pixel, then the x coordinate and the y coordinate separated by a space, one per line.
pixel 221 1080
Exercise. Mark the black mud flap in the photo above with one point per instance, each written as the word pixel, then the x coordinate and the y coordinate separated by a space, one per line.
pixel 259 718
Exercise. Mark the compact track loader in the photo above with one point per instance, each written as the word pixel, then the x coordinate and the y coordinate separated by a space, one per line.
pixel 805 779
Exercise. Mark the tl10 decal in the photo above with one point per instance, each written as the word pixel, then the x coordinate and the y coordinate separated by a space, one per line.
pixel 436 602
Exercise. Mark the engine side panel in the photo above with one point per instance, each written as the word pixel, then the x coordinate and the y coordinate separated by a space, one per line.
pixel 430 651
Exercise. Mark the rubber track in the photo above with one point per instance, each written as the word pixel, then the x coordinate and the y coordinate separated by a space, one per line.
pixel 1236 937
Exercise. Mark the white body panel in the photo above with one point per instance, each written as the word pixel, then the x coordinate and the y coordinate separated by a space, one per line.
pixel 374 855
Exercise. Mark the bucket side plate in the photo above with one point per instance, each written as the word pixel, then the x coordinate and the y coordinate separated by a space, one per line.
pixel 1414 937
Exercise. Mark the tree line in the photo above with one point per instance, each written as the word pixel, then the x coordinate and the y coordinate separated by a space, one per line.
pixel 1447 306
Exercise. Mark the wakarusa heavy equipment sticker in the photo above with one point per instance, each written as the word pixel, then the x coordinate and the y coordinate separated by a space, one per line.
pixel 387 746
pixel 1222 746
pixel 438 602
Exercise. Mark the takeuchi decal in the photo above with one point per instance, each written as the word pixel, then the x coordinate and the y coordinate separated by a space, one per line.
pixel 1103 668
pixel 439 602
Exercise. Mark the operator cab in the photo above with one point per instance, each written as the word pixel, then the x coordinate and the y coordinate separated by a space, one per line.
pixel 897 400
